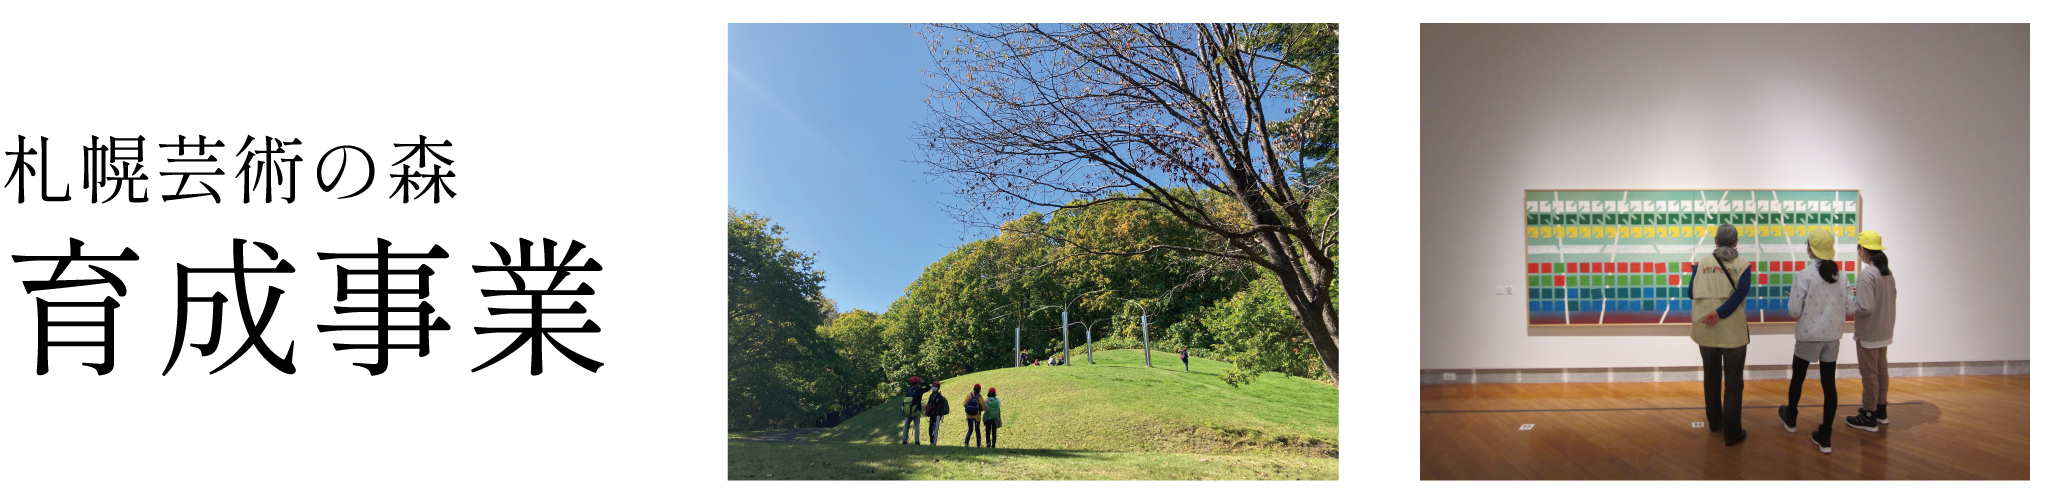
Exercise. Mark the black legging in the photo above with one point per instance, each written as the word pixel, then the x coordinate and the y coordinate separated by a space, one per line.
pixel 1828 391
pixel 1724 406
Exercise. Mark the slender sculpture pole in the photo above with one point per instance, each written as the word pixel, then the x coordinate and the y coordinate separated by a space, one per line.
pixel 1089 345
pixel 1065 318
pixel 1017 346
pixel 1146 340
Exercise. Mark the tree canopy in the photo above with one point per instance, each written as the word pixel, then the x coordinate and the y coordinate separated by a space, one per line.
pixel 1029 117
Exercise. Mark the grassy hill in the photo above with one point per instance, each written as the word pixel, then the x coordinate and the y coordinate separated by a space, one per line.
pixel 1117 404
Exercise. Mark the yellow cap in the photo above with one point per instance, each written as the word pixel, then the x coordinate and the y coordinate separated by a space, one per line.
pixel 1870 241
pixel 1823 245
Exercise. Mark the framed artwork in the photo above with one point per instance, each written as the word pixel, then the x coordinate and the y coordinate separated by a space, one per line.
pixel 1624 257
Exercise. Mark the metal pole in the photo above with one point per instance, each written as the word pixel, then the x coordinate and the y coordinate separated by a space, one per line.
pixel 1017 346
pixel 1066 319
pixel 1089 345
pixel 1146 340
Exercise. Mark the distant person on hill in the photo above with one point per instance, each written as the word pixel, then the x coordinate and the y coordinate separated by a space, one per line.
pixel 1182 359
pixel 1877 305
pixel 936 409
pixel 993 417
pixel 973 408
pixel 910 407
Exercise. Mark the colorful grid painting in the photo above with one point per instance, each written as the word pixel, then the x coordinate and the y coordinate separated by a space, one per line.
pixel 1624 257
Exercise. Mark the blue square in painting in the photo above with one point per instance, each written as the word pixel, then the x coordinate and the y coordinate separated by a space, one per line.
pixel 1649 293
pixel 1572 293
pixel 1532 306
pixel 1560 306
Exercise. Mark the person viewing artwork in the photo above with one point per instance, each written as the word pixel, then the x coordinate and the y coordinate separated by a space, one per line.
pixel 1877 305
pixel 1819 302
pixel 1718 285
pixel 1182 359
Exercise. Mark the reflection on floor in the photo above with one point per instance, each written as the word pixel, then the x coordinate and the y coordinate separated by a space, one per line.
pixel 1964 427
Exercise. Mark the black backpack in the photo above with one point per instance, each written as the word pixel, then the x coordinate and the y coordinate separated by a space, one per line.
pixel 972 406
pixel 938 406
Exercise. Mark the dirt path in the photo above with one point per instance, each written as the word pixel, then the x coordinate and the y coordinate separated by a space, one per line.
pixel 792 435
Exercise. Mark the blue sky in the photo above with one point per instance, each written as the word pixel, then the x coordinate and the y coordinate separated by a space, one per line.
pixel 818 122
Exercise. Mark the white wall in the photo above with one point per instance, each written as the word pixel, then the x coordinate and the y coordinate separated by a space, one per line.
pixel 1931 122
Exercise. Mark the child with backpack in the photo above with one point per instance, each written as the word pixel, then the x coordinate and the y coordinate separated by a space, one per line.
pixel 973 408
pixel 910 407
pixel 937 408
pixel 993 417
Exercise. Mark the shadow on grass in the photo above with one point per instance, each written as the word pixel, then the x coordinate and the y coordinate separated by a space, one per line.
pixel 862 461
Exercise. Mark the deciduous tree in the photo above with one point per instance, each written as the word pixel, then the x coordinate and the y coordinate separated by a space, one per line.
pixel 1184 118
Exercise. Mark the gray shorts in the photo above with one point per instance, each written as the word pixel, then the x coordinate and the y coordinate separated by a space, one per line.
pixel 1817 351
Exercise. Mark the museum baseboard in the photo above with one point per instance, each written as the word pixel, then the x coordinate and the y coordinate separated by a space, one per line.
pixel 1846 370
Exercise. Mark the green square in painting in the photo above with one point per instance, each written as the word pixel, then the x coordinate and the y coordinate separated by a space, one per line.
pixel 1610 280
pixel 1852 278
pixel 1559 267
pixel 1585 280
pixel 1785 279
pixel 1532 280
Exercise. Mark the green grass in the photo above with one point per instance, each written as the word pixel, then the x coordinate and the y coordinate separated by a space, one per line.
pixel 1119 405
pixel 846 461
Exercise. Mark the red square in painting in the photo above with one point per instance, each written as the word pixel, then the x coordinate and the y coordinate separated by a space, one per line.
pixel 1531 267
pixel 1559 281
pixel 1778 266
pixel 1609 267
pixel 1674 280
pixel 1664 267
pixel 1796 265
pixel 1635 267
pixel 1849 265
pixel 1763 279
pixel 1649 267
pixel 1585 267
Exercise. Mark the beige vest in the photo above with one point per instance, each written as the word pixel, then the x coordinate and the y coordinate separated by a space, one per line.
pixel 1709 291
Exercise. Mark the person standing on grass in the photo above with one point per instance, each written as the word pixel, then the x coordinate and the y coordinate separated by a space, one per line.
pixel 993 417
pixel 1819 301
pixel 910 407
pixel 1723 336
pixel 936 409
pixel 1182 359
pixel 973 409
pixel 1877 306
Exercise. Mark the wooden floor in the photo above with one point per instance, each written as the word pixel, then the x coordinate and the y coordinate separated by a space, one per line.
pixel 1966 427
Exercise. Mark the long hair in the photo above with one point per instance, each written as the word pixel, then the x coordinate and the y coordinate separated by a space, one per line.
pixel 1829 271
pixel 1878 259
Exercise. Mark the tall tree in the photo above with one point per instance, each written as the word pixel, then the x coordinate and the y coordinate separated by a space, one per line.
pixel 782 373
pixel 1026 117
